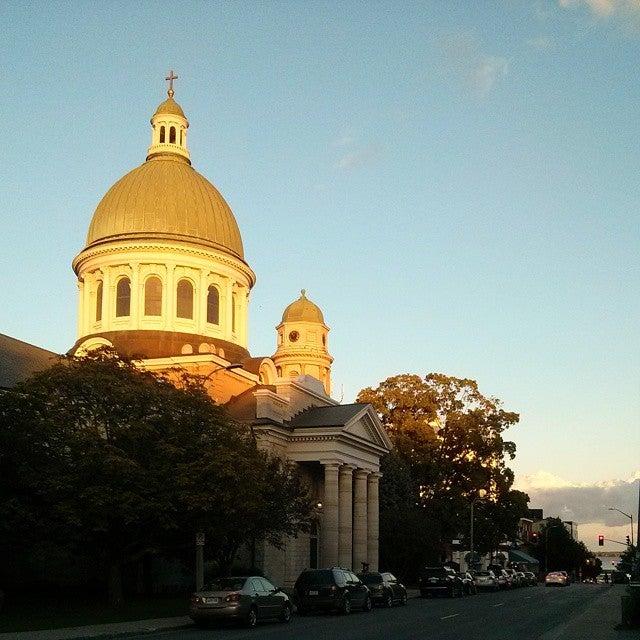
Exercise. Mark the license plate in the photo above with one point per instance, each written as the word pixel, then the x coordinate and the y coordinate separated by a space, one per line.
pixel 212 600
pixel 313 593
pixel 433 580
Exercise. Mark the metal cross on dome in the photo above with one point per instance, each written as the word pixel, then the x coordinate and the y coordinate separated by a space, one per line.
pixel 170 78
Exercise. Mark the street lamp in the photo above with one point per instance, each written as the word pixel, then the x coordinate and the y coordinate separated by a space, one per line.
pixel 229 367
pixel 481 494
pixel 628 516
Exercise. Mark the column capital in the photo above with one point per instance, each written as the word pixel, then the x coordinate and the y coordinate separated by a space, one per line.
pixel 375 475
pixel 361 473
pixel 331 463
pixel 347 468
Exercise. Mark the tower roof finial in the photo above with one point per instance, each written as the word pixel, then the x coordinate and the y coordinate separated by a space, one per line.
pixel 170 78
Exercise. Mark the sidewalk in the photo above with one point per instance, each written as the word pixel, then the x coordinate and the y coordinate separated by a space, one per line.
pixel 598 622
pixel 96 631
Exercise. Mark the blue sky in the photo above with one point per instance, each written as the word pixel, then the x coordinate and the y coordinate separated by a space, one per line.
pixel 454 183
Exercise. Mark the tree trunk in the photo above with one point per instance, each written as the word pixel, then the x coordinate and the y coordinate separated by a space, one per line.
pixel 115 584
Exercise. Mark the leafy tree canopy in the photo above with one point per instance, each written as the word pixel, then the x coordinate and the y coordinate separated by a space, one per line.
pixel 100 455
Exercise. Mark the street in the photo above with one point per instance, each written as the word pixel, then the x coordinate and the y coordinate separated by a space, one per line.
pixel 527 614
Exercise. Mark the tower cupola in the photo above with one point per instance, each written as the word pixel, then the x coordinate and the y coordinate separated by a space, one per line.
pixel 169 127
pixel 302 343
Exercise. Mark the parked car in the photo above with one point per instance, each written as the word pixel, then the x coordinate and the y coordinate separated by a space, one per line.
pixel 522 579
pixel 245 599
pixel 515 580
pixel 468 583
pixel 505 579
pixel 385 588
pixel 440 580
pixel 556 579
pixel 486 580
pixel 332 589
pixel 532 579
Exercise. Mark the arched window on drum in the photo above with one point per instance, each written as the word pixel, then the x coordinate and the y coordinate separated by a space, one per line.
pixel 99 301
pixel 123 297
pixel 184 299
pixel 213 305
pixel 153 296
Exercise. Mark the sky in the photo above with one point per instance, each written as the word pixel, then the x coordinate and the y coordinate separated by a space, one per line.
pixel 455 184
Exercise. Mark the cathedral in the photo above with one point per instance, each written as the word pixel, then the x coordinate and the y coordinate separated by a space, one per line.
pixel 163 279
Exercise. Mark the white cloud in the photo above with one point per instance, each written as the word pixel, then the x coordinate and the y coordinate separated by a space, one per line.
pixel 465 58
pixel 603 8
pixel 359 157
pixel 542 43
pixel 586 503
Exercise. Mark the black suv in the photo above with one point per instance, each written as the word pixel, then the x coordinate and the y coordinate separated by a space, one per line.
pixel 385 588
pixel 435 580
pixel 331 590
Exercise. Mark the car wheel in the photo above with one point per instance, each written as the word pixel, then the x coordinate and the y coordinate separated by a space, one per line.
pixel 388 601
pixel 301 611
pixel 404 599
pixel 252 618
pixel 285 615
pixel 368 605
pixel 346 606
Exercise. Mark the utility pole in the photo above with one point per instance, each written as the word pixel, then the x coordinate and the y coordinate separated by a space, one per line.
pixel 199 561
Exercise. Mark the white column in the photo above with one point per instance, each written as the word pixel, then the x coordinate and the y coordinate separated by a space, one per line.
pixel 359 519
pixel 330 517
pixel 373 515
pixel 345 509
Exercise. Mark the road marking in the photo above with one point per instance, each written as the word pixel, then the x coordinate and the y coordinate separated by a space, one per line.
pixel 453 615
pixel 499 604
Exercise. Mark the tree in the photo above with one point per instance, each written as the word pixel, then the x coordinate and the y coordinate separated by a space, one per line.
pixel 116 461
pixel 450 436
pixel 557 550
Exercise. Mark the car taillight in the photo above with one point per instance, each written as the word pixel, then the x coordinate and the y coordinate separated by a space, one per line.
pixel 196 599
pixel 233 597
pixel 332 588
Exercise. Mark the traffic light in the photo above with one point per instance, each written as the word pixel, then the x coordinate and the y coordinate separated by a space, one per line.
pixel 534 537
pixel 628 541
pixel 601 540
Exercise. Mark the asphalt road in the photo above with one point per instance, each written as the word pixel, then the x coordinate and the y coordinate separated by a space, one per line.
pixel 521 614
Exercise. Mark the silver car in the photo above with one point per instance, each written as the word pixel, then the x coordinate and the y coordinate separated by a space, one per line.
pixel 486 580
pixel 244 599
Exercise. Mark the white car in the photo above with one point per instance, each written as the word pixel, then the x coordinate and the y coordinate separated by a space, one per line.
pixel 556 578
pixel 486 580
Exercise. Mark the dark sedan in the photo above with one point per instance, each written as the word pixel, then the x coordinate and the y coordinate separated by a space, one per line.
pixel 245 599
pixel 385 588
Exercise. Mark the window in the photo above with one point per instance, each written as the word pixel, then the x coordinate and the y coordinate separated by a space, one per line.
pixel 162 134
pixel 172 135
pixel 99 302
pixel 181 137
pixel 213 305
pixel 266 585
pixel 123 297
pixel 184 306
pixel 234 303
pixel 153 297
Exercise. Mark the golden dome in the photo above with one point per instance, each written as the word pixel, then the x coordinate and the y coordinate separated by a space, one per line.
pixel 303 310
pixel 170 106
pixel 165 198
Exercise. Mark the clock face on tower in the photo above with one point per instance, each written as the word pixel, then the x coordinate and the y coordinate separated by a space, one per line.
pixel 293 336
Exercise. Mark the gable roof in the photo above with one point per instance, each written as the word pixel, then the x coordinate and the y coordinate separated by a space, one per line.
pixel 328 416
pixel 18 360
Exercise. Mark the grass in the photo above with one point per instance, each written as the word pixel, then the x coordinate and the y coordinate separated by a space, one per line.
pixel 45 612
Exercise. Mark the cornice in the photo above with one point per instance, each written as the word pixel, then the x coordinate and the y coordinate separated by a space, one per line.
pixel 194 250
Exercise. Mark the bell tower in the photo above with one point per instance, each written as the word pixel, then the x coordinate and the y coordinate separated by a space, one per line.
pixel 302 343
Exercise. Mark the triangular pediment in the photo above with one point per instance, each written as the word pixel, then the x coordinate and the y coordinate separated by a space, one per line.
pixel 367 426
